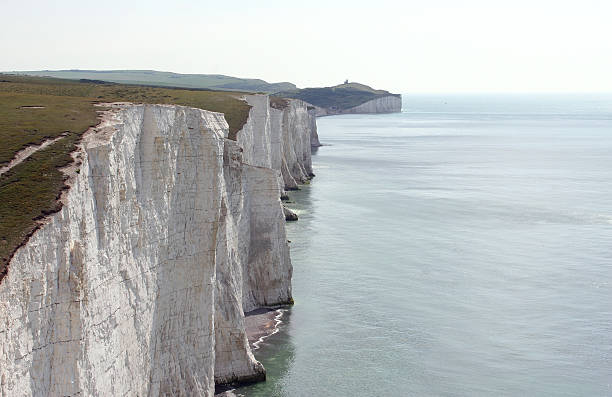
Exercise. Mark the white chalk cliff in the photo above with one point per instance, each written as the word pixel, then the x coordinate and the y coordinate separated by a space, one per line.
pixel 385 104
pixel 167 235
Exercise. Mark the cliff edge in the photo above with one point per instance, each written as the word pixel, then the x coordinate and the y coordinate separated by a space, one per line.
pixel 168 233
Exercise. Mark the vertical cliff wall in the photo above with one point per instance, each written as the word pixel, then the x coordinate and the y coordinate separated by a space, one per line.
pixel 286 133
pixel 169 232
pixel 314 136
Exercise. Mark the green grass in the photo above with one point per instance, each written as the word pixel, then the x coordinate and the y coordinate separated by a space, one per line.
pixel 236 111
pixel 29 191
pixel 360 87
pixel 21 127
pixel 168 79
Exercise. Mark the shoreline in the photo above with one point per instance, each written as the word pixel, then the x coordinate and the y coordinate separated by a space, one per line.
pixel 262 323
pixel 259 324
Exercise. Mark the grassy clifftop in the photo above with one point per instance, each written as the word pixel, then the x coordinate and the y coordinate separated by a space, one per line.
pixel 168 79
pixel 34 109
pixel 340 97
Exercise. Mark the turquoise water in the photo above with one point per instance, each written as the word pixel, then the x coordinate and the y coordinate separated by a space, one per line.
pixel 460 248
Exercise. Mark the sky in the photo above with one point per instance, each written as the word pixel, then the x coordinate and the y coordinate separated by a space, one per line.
pixel 403 46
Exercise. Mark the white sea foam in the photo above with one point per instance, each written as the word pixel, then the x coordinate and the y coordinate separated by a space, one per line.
pixel 277 323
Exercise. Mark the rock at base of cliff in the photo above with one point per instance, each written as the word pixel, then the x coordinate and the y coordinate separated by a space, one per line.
pixel 290 216
pixel 226 393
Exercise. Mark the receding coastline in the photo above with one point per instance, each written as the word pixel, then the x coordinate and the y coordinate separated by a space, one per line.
pixel 251 165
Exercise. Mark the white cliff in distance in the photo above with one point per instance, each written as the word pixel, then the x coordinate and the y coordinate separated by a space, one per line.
pixel 385 104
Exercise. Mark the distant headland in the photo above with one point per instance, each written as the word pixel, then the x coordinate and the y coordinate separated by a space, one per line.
pixel 347 98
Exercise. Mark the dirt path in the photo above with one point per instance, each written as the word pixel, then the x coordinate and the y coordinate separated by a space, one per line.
pixel 27 152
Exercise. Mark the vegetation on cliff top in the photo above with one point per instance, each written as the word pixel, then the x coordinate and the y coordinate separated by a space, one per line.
pixel 168 79
pixel 278 102
pixel 340 97
pixel 34 109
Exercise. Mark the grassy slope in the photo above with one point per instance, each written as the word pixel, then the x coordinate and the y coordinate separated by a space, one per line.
pixel 29 191
pixel 22 127
pixel 168 79
pixel 343 96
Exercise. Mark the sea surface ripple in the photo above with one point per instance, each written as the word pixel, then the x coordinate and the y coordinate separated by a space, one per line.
pixel 460 248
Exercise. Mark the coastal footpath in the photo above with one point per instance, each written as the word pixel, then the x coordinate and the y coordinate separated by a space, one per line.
pixel 169 232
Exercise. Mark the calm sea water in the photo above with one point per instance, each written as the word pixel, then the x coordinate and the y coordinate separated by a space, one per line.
pixel 460 248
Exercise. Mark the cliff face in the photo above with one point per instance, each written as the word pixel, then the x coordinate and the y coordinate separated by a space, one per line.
pixel 387 104
pixel 280 132
pixel 168 233
pixel 314 136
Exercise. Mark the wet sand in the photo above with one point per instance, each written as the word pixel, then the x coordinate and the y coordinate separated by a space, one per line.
pixel 260 324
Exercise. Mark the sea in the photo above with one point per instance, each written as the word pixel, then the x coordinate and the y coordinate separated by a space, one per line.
pixel 462 247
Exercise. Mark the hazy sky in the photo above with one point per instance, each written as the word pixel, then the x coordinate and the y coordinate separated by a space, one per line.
pixel 403 46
